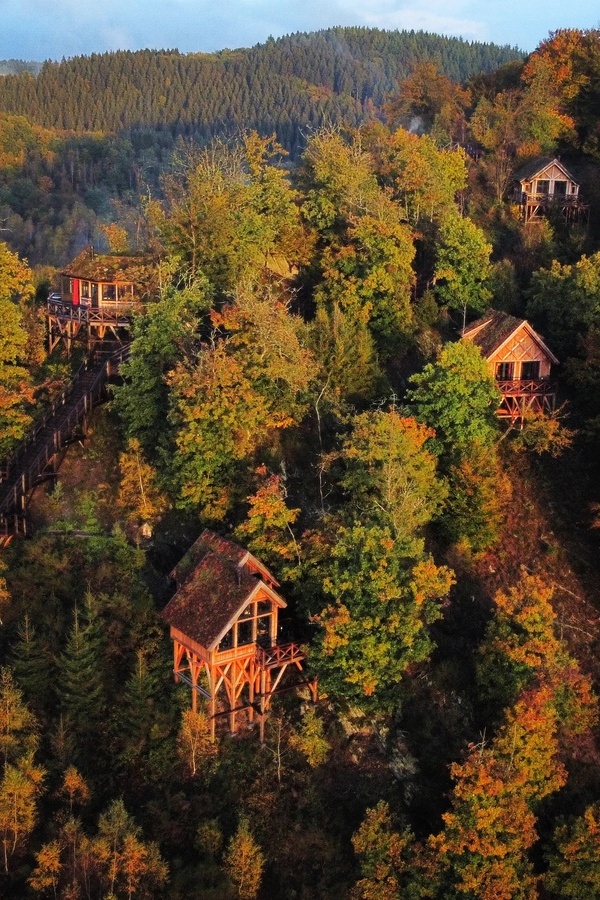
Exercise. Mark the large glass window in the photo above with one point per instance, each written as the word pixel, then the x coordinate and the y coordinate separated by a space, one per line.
pixel 226 641
pixel 530 370
pixel 505 371
pixel 244 633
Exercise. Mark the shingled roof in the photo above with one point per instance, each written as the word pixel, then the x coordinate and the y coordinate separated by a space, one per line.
pixel 109 268
pixel 216 581
pixel 536 166
pixel 494 328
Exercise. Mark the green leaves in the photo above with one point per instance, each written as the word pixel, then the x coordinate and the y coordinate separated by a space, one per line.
pixel 458 398
pixel 384 589
pixel 462 265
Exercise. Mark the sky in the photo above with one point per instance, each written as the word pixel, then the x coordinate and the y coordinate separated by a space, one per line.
pixel 52 29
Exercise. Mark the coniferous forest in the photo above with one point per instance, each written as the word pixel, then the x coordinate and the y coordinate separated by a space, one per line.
pixel 322 215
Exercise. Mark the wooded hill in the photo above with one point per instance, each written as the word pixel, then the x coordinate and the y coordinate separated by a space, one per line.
pixel 440 569
pixel 287 86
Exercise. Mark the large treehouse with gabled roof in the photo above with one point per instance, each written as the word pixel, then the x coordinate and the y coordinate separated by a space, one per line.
pixel 96 298
pixel 224 622
pixel 544 185
pixel 519 360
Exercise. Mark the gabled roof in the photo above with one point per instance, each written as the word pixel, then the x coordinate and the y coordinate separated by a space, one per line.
pixel 109 268
pixel 495 328
pixel 217 579
pixel 208 542
pixel 537 166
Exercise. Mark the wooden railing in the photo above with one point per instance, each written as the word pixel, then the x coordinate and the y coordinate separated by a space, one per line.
pixel 20 471
pixel 93 315
pixel 518 387
pixel 561 199
pixel 279 655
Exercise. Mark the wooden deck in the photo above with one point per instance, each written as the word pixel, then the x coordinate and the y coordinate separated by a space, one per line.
pixel 521 396
pixel 83 323
pixel 39 453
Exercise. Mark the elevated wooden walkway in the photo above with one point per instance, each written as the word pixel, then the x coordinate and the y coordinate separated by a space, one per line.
pixel 39 454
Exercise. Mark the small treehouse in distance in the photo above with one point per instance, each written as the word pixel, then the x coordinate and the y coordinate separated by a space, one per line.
pixel 545 184
pixel 519 360
pixel 96 298
pixel 224 626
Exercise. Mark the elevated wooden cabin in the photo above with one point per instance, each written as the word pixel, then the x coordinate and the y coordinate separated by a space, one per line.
pixel 224 620
pixel 545 184
pixel 96 297
pixel 519 360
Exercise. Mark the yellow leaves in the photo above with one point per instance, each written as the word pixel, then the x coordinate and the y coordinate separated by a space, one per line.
pixel 116 236
pixel 334 619
pixel 139 496
pixel 430 582
pixel 244 863
pixel 48 867
pixel 194 744
pixel 74 788
pixel 310 740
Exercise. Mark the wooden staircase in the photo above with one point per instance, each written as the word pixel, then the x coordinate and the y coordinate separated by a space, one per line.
pixel 40 453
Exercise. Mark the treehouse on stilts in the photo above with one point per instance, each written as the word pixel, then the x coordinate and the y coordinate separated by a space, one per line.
pixel 545 186
pixel 519 360
pixel 224 620
pixel 96 299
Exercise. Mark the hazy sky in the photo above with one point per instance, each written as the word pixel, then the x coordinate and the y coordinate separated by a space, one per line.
pixel 51 29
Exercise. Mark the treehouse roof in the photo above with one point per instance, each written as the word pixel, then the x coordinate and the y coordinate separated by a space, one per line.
pixel 109 268
pixel 538 166
pixel 216 581
pixel 495 328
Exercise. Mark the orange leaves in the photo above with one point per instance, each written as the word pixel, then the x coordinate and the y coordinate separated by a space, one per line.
pixel 335 620
pixel 521 649
pixel 430 582
pixel 267 528
pixel 491 824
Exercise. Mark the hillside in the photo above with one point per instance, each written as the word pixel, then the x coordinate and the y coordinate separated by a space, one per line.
pixel 287 86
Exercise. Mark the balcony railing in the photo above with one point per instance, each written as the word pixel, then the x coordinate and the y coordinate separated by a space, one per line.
pixel 518 387
pixel 86 314
pixel 279 655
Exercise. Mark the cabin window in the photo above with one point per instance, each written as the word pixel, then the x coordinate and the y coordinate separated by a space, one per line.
pixel 94 294
pixel 505 371
pixel 263 630
pixel 248 612
pixel 543 187
pixel 244 633
pixel 226 642
pixel 85 289
pixel 530 370
pixel 560 188
pixel 109 293
pixel 263 607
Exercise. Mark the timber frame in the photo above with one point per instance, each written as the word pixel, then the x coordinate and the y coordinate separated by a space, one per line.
pixel 520 362
pixel 225 630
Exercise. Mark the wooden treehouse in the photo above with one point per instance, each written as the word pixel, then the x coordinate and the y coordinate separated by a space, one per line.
pixel 545 184
pixel 225 631
pixel 519 360
pixel 96 298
